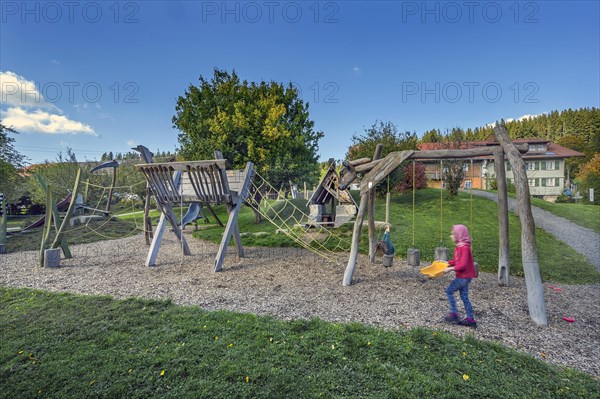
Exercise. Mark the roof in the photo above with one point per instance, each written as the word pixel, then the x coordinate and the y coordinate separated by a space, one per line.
pixel 553 150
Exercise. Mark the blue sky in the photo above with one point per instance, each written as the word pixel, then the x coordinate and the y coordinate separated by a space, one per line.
pixel 104 76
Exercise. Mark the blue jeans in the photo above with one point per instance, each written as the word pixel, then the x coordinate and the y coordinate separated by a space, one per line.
pixel 462 286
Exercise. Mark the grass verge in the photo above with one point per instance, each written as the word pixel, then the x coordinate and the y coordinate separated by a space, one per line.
pixel 64 345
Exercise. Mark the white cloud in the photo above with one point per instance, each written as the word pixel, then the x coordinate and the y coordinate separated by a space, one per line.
pixel 40 121
pixel 519 119
pixel 16 90
pixel 357 70
pixel 131 143
pixel 25 109
pixel 55 62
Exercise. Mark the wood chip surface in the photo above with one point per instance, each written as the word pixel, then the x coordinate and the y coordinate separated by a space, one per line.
pixel 290 283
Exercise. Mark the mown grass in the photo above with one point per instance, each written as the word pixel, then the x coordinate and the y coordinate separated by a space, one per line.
pixel 64 345
pixel 583 215
pixel 558 262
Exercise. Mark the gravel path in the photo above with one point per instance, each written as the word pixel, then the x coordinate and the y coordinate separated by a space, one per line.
pixel 292 283
pixel 581 239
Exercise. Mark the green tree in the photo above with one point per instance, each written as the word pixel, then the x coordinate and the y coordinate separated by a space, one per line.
pixel 10 162
pixel 58 174
pixel 265 123
pixel 363 146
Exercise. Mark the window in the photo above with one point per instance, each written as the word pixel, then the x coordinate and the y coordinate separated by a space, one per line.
pixel 549 165
pixel 465 167
pixel 551 182
pixel 508 168
pixel 530 166
pixel 531 182
pixel 467 183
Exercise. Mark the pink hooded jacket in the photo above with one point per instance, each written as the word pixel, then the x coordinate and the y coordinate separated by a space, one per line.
pixel 463 259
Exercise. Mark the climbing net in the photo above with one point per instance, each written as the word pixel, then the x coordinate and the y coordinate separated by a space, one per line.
pixel 128 227
pixel 293 222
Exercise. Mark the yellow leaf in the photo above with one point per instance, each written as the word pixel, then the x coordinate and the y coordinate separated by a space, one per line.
pixel 465 377
pixel 369 343
pixel 247 379
pixel 464 354
pixel 162 373
pixel 130 370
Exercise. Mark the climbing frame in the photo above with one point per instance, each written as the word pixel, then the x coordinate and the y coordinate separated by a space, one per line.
pixel 206 182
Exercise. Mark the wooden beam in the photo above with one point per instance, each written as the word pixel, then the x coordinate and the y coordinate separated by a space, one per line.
pixel 384 168
pixel 504 243
pixel 360 161
pixel 160 230
pixel 533 280
pixel 444 154
pixel 233 216
pixel 371 210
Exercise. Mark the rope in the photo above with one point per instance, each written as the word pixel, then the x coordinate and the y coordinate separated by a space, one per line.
pixel 413 206
pixel 471 191
pixel 441 200
pixel 120 187
pixel 328 248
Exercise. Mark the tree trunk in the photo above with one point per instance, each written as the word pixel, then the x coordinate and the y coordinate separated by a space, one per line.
pixel 533 280
pixel 504 244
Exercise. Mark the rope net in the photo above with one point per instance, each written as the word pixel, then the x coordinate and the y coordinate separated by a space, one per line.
pixel 294 223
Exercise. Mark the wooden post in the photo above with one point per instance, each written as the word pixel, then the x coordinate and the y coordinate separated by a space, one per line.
pixel 360 217
pixel 160 230
pixel 533 280
pixel 52 257
pixel 504 243
pixel 371 210
pixel 305 192
pixel 147 157
pixel 236 229
pixel 233 217
pixel 111 189
pixel 147 219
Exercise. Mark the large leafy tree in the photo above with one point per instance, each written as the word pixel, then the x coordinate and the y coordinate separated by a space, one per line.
pixel 265 123
pixel 10 160
pixel 386 133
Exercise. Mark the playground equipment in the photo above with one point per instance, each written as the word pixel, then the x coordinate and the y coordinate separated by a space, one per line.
pixel 327 194
pixel 205 182
pixel 50 256
pixel 435 270
pixel 377 169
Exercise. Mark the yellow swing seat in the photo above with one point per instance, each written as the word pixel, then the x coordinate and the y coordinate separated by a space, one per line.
pixel 435 270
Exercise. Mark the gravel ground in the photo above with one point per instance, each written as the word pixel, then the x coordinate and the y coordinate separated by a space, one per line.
pixel 293 283
pixel 581 239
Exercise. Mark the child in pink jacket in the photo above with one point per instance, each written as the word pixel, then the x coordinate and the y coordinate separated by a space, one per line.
pixel 462 264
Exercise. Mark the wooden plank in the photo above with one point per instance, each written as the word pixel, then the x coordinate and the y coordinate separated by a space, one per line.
pixel 233 216
pixel 533 280
pixel 182 166
pixel 385 167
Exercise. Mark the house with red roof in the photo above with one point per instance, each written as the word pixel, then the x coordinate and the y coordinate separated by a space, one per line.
pixel 545 163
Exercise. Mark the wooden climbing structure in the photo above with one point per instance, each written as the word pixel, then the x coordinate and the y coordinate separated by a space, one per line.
pixel 206 182
pixel 329 205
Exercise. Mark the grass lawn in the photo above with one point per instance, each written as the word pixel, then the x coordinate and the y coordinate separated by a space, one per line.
pixel 64 345
pixel 583 215
pixel 558 262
